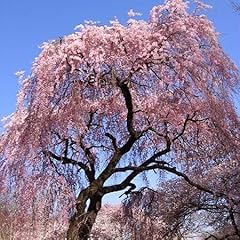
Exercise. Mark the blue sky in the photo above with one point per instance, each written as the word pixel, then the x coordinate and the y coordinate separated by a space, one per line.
pixel 25 24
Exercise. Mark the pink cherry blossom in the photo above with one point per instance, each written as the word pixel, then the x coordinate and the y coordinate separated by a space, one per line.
pixel 109 103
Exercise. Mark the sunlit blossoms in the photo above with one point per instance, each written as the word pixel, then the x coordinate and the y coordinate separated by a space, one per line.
pixel 120 101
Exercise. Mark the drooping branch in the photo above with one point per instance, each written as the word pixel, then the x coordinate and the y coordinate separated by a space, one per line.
pixel 65 160
pixel 176 68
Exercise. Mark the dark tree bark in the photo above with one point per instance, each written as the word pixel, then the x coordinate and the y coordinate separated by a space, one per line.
pixel 82 222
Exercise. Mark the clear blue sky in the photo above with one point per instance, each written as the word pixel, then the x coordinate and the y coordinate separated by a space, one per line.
pixel 25 24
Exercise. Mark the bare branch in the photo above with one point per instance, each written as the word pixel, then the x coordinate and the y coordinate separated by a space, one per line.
pixel 113 139
pixel 90 158
pixel 128 100
pixel 65 160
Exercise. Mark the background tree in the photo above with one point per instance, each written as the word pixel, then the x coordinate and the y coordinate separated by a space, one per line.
pixel 109 224
pixel 115 102
pixel 184 212
pixel 35 223
pixel 6 220
pixel 113 223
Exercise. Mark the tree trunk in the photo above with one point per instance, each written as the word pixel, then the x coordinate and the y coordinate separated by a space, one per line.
pixel 82 222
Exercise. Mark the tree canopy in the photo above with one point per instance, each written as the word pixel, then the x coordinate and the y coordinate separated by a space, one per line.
pixel 118 101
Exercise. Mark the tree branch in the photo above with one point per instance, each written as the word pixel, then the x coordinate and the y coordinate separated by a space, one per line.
pixel 66 160
pixel 128 100
pixel 231 214
pixel 144 167
pixel 113 139
pixel 90 158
